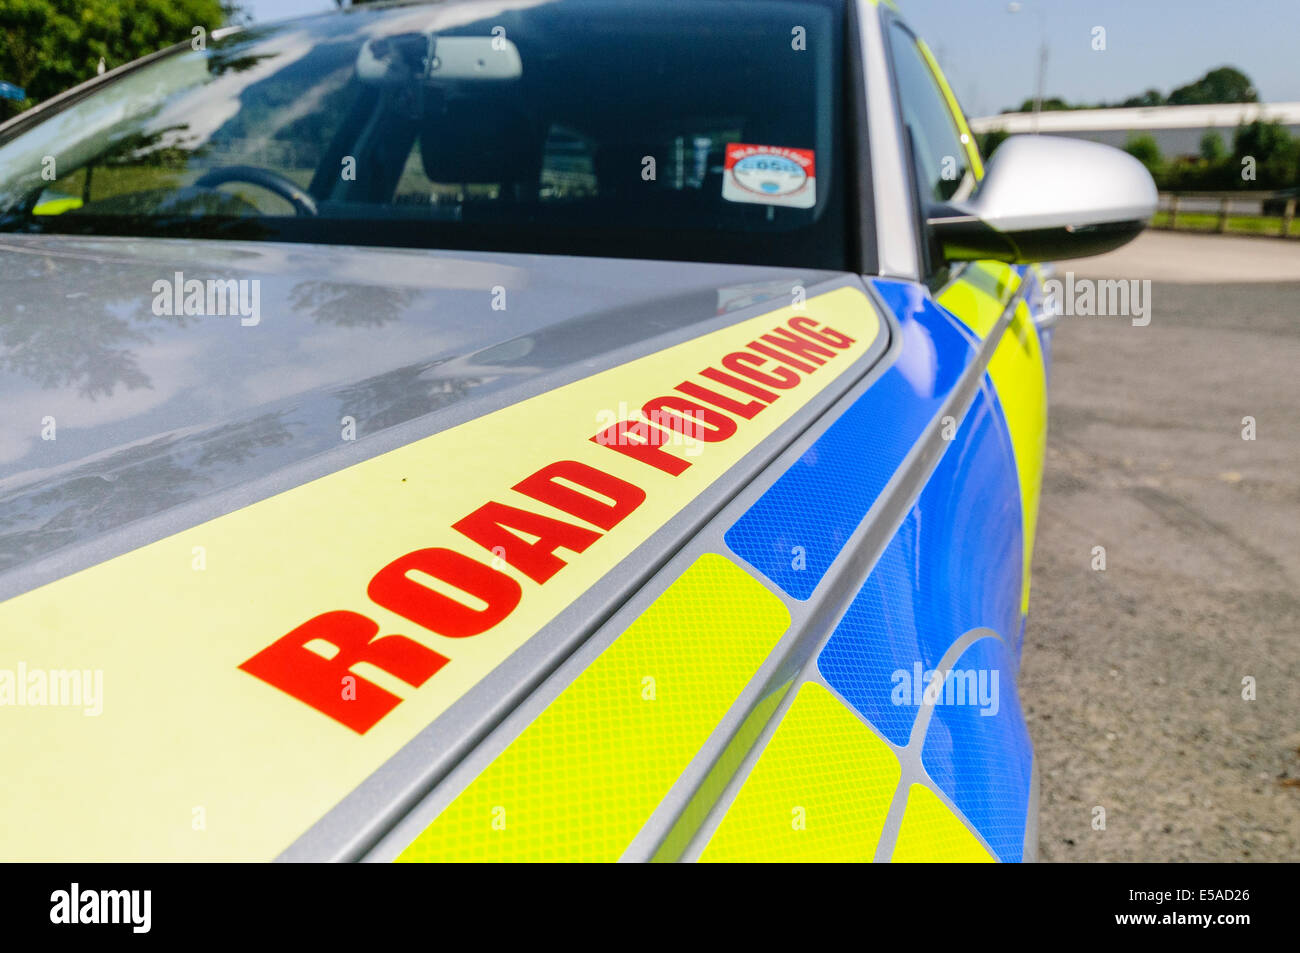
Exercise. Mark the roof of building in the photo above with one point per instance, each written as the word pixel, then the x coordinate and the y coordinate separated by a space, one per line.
pixel 1229 115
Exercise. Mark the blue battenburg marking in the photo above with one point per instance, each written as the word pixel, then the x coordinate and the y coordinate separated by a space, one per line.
pixel 983 762
pixel 954 565
pixel 794 531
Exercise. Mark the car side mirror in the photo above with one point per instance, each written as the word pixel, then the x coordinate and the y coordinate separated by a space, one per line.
pixel 1045 198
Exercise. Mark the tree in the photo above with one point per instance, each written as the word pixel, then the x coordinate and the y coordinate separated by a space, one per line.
pixel 1152 97
pixel 1271 151
pixel 1212 147
pixel 1051 104
pixel 989 142
pixel 1146 150
pixel 47 46
pixel 1223 85
pixel 1226 84
pixel 236 13
pixel 1263 140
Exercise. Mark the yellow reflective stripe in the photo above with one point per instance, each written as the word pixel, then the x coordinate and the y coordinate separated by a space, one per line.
pixel 234 767
pixel 57 206
pixel 819 791
pixel 981 295
pixel 1020 379
pixel 968 138
pixel 930 833
pixel 979 298
pixel 584 777
pixel 724 769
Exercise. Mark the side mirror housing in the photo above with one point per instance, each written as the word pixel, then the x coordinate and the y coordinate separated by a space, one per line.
pixel 1046 198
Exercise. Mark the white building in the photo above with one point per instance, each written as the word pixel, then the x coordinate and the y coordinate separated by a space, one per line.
pixel 1177 129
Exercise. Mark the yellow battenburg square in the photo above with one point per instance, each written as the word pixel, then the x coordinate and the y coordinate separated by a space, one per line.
pixel 933 834
pixel 819 791
pixel 583 778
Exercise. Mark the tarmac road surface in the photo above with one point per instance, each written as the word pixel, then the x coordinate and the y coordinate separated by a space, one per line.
pixel 1133 675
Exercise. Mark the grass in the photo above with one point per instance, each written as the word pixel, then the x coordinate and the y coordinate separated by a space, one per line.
pixel 1240 224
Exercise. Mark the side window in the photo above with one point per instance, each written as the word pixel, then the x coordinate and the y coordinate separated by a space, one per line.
pixel 942 163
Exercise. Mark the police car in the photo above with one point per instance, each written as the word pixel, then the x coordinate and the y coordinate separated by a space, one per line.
pixel 529 430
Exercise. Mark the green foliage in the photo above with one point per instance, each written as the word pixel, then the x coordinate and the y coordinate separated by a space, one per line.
pixel 235 13
pixel 1053 104
pixel 47 46
pixel 1222 85
pixel 1194 174
pixel 1145 149
pixel 991 140
pixel 1275 155
pixel 1266 141
pixel 1212 147
pixel 1152 97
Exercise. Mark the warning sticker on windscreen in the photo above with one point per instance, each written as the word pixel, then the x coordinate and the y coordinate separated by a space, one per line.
pixel 770 175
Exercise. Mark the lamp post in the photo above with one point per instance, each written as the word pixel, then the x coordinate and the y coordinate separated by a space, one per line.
pixel 1016 7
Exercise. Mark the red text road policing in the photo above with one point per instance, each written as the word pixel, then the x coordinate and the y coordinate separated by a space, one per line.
pixel 712 407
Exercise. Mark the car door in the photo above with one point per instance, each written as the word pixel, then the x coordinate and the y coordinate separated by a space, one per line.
pixel 941 614
pixel 946 165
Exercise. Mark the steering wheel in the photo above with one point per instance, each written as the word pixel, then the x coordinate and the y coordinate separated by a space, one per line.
pixel 286 188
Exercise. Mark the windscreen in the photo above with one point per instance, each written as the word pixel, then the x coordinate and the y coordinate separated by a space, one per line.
pixel 707 130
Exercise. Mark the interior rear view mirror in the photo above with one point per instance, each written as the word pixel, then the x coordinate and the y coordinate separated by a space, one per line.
pixel 432 58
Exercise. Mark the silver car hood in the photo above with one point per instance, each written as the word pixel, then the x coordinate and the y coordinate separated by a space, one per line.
pixel 185 499
pixel 115 415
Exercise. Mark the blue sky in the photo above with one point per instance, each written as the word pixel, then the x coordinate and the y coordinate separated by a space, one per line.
pixel 991 55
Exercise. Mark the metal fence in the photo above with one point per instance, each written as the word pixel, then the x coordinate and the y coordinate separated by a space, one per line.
pixel 1280 205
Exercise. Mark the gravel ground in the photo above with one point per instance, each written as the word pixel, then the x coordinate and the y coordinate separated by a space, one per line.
pixel 1133 676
